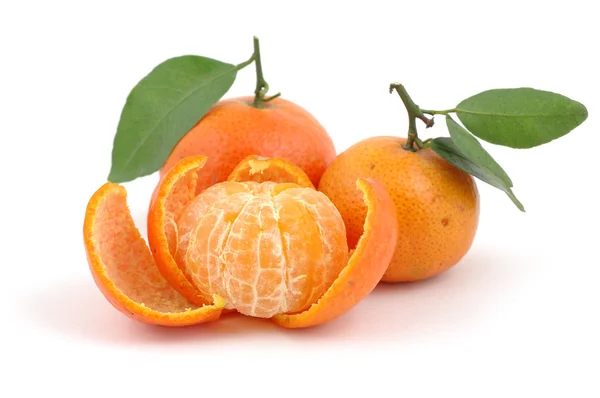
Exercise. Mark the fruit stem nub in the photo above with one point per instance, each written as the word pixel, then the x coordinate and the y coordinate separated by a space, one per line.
pixel 261 84
pixel 413 143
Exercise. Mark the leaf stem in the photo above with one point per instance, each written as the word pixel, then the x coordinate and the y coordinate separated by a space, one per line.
pixel 444 112
pixel 262 87
pixel 245 63
pixel 413 142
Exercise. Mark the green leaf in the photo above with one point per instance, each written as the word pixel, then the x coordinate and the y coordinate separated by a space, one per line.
pixel 520 117
pixel 473 150
pixel 446 148
pixel 162 108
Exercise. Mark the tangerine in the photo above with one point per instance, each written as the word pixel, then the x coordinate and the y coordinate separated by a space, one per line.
pixel 266 248
pixel 437 204
pixel 273 249
pixel 234 129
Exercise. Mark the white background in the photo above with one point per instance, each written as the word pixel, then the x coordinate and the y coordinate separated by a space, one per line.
pixel 517 317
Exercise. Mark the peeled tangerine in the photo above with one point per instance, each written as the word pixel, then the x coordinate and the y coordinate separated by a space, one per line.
pixel 265 243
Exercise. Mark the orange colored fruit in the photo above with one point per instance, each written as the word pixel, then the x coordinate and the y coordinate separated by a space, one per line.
pixel 273 249
pixel 124 270
pixel 437 204
pixel 266 249
pixel 178 188
pixel 233 129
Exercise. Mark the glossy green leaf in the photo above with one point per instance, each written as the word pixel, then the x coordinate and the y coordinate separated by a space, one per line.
pixel 162 108
pixel 473 150
pixel 520 117
pixel 446 148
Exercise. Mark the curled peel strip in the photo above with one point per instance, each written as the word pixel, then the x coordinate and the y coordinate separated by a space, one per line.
pixel 366 265
pixel 125 271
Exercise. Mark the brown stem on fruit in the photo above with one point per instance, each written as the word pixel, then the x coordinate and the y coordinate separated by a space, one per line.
pixel 413 142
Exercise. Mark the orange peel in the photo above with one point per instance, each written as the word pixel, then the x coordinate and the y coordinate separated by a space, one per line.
pixel 365 267
pixel 174 191
pixel 124 269
pixel 260 169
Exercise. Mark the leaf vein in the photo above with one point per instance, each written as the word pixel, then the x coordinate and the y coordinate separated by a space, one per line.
pixel 516 115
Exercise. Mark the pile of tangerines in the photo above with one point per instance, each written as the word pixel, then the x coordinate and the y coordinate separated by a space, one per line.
pixel 256 213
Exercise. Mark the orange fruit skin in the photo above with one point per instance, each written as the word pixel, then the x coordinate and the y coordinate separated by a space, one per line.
pixel 260 169
pixel 366 265
pixel 124 270
pixel 233 129
pixel 172 194
pixel 437 204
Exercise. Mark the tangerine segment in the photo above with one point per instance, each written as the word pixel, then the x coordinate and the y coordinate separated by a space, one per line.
pixel 267 248
pixel 366 266
pixel 124 270
pixel 173 192
pixel 261 169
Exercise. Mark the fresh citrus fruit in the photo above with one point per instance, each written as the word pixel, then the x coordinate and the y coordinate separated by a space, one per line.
pixel 233 129
pixel 178 188
pixel 437 204
pixel 124 269
pixel 266 248
pixel 273 249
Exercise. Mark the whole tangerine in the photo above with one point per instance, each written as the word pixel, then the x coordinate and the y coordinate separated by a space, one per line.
pixel 437 204
pixel 234 129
